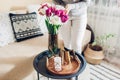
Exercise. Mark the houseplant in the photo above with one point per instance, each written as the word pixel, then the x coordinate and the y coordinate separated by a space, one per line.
pixel 94 52
pixel 55 17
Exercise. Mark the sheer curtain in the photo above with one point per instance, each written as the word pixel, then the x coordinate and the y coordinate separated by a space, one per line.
pixel 104 18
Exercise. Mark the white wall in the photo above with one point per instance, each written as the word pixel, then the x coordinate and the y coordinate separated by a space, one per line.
pixel 5 5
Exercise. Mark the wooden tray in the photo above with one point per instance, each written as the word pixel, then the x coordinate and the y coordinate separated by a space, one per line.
pixel 66 69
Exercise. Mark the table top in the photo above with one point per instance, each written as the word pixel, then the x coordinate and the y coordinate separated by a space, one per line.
pixel 39 64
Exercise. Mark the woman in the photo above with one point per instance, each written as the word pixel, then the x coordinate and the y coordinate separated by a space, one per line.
pixel 73 31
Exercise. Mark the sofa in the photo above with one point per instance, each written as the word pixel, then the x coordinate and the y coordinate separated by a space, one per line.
pixel 16 58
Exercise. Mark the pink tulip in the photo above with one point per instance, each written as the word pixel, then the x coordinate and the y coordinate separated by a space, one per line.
pixel 57 12
pixel 41 13
pixel 45 5
pixel 64 18
pixel 43 8
pixel 62 13
pixel 48 12
pixel 53 9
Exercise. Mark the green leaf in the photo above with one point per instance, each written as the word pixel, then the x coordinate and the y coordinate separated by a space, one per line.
pixel 94 43
pixel 52 28
pixel 55 30
pixel 47 24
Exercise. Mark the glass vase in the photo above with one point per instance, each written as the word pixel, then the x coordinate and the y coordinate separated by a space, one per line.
pixel 53 44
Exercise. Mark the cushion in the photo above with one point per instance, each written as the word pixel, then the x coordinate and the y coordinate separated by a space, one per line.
pixel 41 19
pixel 25 26
pixel 6 32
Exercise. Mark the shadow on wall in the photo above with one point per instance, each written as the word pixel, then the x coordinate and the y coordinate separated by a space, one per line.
pixel 23 66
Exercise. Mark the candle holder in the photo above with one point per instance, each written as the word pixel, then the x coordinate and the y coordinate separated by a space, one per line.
pixel 57 64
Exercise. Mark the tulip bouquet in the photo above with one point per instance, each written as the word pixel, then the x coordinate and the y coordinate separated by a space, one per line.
pixel 55 16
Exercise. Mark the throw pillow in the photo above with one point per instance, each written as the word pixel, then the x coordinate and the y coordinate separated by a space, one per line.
pixel 6 32
pixel 25 26
pixel 41 19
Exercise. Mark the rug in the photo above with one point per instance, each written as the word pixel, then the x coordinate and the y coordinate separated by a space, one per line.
pixel 104 71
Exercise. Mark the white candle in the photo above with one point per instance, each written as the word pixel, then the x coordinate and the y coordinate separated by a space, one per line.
pixel 57 63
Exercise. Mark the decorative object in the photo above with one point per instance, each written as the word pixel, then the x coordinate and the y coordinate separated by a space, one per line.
pixel 25 26
pixel 94 53
pixel 53 43
pixel 57 64
pixel 65 64
pixel 55 17
pixel 94 56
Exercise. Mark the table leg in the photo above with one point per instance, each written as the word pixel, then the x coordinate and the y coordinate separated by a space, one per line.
pixel 76 78
pixel 38 75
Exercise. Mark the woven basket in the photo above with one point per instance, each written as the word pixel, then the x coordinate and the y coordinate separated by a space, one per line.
pixel 92 56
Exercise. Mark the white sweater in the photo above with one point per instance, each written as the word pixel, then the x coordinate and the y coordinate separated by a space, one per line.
pixel 78 8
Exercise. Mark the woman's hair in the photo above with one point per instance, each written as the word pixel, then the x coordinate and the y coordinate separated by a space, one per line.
pixel 60 2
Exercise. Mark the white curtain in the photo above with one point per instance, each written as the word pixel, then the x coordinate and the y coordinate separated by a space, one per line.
pixel 104 18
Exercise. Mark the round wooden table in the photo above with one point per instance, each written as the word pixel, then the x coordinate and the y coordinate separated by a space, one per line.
pixel 39 64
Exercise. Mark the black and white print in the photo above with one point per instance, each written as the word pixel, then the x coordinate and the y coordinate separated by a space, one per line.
pixel 25 26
